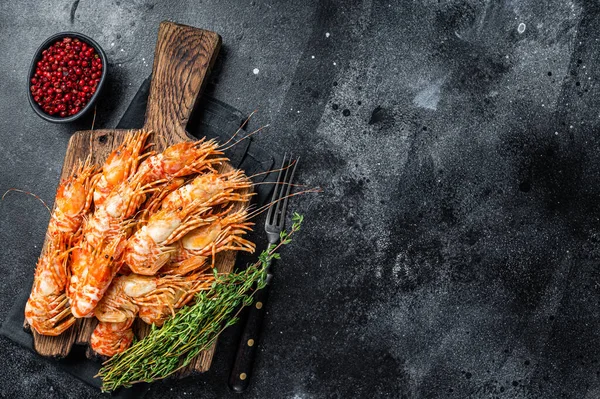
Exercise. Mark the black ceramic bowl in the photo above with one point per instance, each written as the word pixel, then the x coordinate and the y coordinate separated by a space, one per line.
pixel 38 56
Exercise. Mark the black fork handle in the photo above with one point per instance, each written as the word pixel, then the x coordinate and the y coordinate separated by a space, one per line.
pixel 246 353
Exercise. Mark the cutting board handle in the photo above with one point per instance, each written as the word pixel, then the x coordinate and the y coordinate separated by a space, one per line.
pixel 183 58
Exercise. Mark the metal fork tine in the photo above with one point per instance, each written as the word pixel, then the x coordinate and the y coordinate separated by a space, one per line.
pixel 277 217
pixel 275 195
pixel 289 186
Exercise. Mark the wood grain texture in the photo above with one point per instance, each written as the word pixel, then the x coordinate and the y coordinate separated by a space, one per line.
pixel 183 58
pixel 85 330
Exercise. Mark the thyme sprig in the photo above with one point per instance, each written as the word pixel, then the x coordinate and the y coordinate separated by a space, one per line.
pixel 194 328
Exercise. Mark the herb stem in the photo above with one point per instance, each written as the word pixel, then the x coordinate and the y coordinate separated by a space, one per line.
pixel 194 328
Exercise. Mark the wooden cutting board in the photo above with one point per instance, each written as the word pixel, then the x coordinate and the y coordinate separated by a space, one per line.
pixel 183 58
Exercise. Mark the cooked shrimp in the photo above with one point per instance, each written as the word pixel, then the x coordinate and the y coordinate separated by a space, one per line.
pixel 183 262
pixel 116 305
pixel 182 159
pixel 153 203
pixel 81 257
pixel 193 250
pixel 211 187
pixel 73 199
pixel 150 247
pixel 47 309
pixel 109 219
pixel 171 293
pixel 120 164
pixel 115 313
pixel 97 277
pixel 108 338
pixel 223 234
pixel 157 296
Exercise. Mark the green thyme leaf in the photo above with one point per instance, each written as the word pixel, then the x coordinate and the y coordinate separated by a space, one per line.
pixel 193 329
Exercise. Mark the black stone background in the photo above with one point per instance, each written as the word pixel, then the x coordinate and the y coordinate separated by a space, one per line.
pixel 454 251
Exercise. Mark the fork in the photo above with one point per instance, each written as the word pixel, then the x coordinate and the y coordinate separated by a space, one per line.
pixel 242 367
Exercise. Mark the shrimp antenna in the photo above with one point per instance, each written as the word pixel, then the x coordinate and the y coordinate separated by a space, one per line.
pixel 148 146
pixel 94 119
pixel 277 182
pixel 28 193
pixel 244 138
pixel 273 170
pixel 276 170
pixel 91 144
pixel 243 125
pixel 145 155
pixel 263 208
pixel 86 164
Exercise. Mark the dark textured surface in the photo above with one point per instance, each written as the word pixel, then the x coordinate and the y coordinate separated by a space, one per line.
pixel 454 252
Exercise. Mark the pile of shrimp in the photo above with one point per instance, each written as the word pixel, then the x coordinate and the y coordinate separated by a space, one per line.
pixel 137 237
